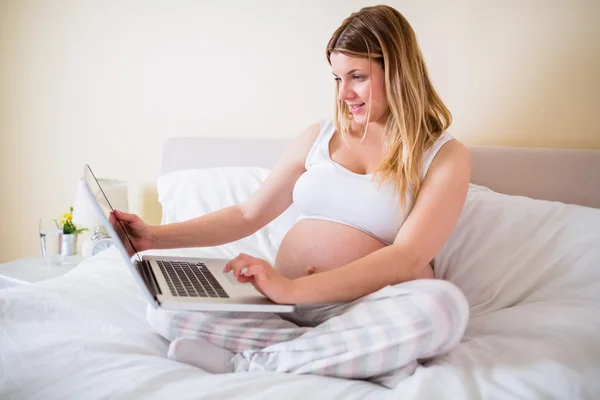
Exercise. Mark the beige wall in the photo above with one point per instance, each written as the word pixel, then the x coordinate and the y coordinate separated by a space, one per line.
pixel 107 82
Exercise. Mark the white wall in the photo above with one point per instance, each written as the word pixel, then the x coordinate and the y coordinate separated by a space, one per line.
pixel 107 82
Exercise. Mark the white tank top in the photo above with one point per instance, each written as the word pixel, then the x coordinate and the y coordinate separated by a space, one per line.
pixel 328 191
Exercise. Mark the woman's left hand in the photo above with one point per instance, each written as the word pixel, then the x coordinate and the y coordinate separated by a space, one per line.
pixel 262 276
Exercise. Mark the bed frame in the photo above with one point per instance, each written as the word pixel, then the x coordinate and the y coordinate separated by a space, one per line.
pixel 566 175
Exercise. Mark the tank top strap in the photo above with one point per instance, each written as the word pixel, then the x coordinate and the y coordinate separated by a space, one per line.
pixel 320 149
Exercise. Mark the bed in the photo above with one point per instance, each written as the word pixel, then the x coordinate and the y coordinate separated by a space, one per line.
pixel 526 252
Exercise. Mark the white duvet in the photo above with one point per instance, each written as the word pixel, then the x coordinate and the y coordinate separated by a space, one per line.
pixel 530 269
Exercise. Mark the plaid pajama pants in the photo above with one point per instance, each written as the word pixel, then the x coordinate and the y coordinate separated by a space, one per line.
pixel 380 337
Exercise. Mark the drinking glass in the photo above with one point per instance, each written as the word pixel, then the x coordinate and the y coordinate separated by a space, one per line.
pixel 50 240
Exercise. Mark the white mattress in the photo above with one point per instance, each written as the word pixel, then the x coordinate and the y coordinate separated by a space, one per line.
pixel 85 336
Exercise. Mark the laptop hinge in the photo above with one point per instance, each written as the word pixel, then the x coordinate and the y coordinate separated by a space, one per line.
pixel 147 275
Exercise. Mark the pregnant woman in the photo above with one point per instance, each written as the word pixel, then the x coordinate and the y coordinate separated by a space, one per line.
pixel 380 187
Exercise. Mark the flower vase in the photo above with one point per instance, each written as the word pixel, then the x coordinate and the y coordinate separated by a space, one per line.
pixel 68 244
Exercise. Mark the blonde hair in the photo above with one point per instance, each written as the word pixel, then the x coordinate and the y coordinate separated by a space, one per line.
pixel 417 116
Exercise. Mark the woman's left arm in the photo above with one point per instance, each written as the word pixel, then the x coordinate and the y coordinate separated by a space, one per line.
pixel 427 228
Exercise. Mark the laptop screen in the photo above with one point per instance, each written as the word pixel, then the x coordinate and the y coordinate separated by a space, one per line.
pixel 100 194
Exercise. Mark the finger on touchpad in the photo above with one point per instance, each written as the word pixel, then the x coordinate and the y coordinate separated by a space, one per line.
pixel 232 280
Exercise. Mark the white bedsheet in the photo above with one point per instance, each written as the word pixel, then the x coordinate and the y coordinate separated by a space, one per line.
pixel 531 272
pixel 85 336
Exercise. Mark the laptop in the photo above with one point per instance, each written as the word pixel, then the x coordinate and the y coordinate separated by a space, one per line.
pixel 180 283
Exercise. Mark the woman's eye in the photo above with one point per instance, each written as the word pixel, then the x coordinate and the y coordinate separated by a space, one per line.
pixel 355 77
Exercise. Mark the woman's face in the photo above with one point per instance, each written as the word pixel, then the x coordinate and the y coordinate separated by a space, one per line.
pixel 357 80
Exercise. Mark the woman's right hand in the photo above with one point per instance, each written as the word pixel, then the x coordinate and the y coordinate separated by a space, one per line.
pixel 138 231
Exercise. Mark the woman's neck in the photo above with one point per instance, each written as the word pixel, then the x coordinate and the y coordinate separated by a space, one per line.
pixel 375 129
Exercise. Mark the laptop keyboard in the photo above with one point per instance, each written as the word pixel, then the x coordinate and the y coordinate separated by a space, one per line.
pixel 187 279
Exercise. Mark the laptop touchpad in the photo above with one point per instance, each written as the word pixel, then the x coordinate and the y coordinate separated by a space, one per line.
pixel 232 280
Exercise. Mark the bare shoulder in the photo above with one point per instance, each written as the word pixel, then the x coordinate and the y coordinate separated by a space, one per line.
pixel 311 132
pixel 300 146
pixel 307 138
pixel 453 155
pixel 274 196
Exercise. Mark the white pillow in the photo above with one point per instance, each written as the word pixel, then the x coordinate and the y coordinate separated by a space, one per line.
pixel 504 250
pixel 187 194
pixel 508 250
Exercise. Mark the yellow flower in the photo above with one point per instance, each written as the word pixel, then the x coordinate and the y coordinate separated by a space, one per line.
pixel 63 221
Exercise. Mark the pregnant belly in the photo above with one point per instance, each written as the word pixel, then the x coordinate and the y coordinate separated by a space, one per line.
pixel 322 245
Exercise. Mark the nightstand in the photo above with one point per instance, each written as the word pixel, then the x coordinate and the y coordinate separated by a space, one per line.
pixel 34 269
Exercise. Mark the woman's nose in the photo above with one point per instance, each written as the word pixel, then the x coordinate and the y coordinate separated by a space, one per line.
pixel 344 92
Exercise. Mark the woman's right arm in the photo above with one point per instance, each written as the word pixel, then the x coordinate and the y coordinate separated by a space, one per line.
pixel 235 222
